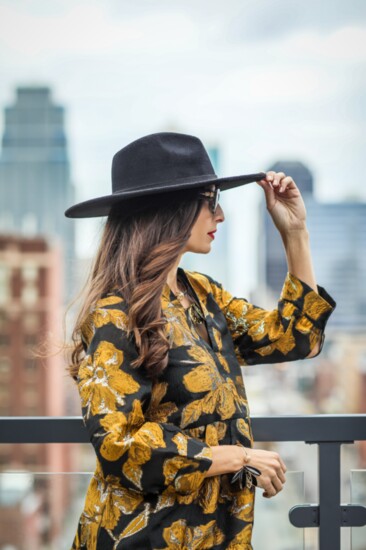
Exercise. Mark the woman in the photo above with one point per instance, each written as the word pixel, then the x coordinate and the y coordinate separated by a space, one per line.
pixel 158 352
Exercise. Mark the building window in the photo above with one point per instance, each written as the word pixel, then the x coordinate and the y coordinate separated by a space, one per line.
pixel 4 365
pixel 29 295
pixel 4 284
pixel 4 457
pixel 30 364
pixel 31 398
pixel 3 320
pixel 30 339
pixel 30 272
pixel 4 340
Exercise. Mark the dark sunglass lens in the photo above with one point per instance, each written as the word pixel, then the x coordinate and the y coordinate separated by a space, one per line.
pixel 215 201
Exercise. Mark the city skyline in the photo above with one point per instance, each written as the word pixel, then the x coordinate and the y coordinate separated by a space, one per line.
pixel 264 82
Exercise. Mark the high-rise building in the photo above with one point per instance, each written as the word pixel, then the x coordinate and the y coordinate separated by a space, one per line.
pixel 35 184
pixel 338 245
pixel 30 307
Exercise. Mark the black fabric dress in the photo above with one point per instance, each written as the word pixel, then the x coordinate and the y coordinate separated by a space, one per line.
pixel 153 441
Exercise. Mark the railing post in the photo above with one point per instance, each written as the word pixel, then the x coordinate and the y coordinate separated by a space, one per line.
pixel 330 521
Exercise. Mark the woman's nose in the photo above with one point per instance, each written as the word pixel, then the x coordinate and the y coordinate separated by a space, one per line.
pixel 219 214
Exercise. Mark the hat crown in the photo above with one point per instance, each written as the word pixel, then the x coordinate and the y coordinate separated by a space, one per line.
pixel 160 157
pixel 163 162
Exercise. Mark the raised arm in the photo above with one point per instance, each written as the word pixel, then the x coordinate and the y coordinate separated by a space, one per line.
pixel 286 333
pixel 287 210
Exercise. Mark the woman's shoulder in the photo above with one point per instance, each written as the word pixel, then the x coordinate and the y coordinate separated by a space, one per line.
pixel 110 308
pixel 203 281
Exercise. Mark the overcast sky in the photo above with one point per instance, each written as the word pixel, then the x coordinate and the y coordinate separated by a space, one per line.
pixel 265 80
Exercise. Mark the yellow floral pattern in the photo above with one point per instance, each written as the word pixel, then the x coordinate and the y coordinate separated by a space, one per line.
pixel 153 439
pixel 179 535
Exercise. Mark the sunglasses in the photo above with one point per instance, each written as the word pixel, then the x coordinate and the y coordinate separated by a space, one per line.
pixel 213 198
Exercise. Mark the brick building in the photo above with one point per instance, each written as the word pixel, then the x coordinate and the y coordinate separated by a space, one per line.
pixel 30 309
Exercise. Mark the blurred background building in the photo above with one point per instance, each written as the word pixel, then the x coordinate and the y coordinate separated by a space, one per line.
pixel 37 271
pixel 31 301
pixel 35 183
pixel 338 245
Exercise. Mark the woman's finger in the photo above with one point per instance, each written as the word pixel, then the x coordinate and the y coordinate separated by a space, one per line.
pixel 281 476
pixel 285 183
pixel 278 178
pixel 277 484
pixel 283 465
pixel 269 491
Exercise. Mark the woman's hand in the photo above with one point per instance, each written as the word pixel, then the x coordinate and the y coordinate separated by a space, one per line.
pixel 284 202
pixel 231 458
pixel 273 470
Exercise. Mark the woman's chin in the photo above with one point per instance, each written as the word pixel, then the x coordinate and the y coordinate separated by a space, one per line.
pixel 203 249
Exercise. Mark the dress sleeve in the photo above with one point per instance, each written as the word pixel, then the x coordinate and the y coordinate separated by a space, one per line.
pixel 145 456
pixel 287 333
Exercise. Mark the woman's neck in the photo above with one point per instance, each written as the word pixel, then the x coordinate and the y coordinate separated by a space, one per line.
pixel 172 278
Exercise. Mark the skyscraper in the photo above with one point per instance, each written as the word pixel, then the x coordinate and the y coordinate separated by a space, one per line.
pixel 35 184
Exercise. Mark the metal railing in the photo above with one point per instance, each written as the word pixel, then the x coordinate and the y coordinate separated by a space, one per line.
pixel 329 432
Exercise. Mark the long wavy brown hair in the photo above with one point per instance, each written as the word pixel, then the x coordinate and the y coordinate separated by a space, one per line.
pixel 135 254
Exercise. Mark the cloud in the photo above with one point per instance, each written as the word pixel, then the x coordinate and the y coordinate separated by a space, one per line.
pixel 128 68
pixel 265 20
pixel 88 29
pixel 346 43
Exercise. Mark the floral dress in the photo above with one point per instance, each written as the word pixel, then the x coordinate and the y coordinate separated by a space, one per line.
pixel 153 440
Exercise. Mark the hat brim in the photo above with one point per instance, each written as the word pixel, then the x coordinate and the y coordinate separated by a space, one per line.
pixel 101 206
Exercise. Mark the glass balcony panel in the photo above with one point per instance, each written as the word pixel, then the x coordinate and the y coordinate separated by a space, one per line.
pixel 272 528
pixel 40 511
pixel 358 496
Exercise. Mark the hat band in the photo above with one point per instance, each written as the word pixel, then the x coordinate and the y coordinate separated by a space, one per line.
pixel 177 182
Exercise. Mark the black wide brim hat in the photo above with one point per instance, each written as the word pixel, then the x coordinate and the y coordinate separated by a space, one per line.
pixel 158 163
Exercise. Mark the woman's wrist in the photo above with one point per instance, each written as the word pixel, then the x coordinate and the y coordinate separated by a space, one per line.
pixel 293 236
pixel 243 457
pixel 246 456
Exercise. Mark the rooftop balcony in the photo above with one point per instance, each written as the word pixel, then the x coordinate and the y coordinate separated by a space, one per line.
pixel 287 520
